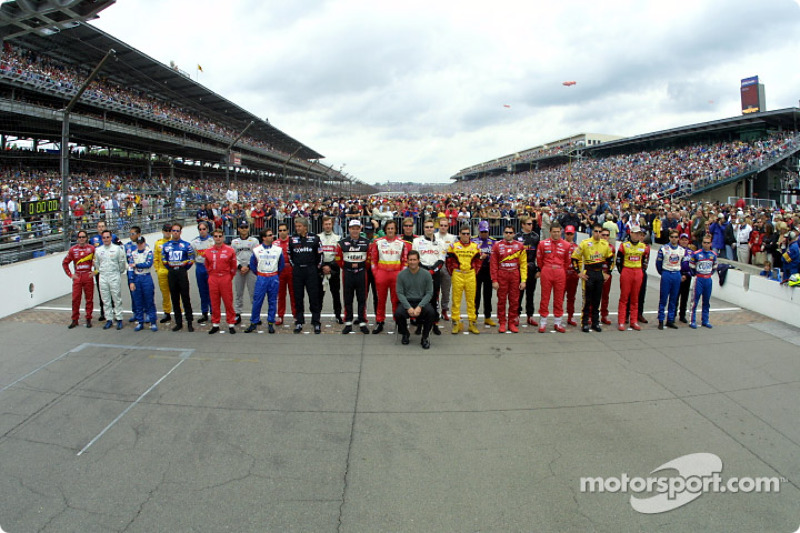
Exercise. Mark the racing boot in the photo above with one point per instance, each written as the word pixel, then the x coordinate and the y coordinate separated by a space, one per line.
pixel 503 327
pixel 489 322
pixel 456 327
pixel 473 328
pixel 513 327
pixel 167 318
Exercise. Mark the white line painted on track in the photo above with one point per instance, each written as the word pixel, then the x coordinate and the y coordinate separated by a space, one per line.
pixel 32 372
pixel 131 406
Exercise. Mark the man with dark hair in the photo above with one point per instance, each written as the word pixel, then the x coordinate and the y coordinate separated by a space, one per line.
pixel 431 259
pixel 592 260
pixel 178 256
pixel 82 256
pixel 330 274
pixel 670 264
pixel 267 263
pixel 110 265
pixel 97 242
pixel 414 293
pixel 200 244
pixel 221 263
pixel 162 272
pixel 285 284
pixel 530 239
pixel 243 246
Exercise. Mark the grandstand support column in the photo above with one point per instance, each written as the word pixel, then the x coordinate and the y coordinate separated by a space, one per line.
pixel 283 169
pixel 66 225
pixel 171 188
pixel 230 146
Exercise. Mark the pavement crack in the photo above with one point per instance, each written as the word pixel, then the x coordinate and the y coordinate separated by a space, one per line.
pixel 346 477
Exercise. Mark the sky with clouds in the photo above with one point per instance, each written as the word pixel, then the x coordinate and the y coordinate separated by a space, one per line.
pixel 416 91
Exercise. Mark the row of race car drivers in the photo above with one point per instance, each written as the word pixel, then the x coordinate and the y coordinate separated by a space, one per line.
pixel 307 263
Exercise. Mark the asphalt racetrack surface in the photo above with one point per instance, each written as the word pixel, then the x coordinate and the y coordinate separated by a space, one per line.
pixel 177 432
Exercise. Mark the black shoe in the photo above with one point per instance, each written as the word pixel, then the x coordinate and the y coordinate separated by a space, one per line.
pixel 238 319
pixel 270 328
pixel 251 328
pixel 203 319
pixel 436 331
pixel 597 328
pixel 419 330
pixel 88 323
pixel 317 329
pixel 426 343
pixel 378 329
pixel 339 320
pixel 642 319
pixel 232 330
pixel 213 330
pixel 167 318
pixel 102 318
pixel 177 327
pixel 298 328
pixel 660 324
pixel 132 319
pixel 189 327
pixel 671 325
pixel 364 329
pixel 683 319
pixel 73 324
pixel 347 329
pixel 585 328
pixel 406 338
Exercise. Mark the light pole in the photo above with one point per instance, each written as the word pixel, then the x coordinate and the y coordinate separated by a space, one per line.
pixel 65 220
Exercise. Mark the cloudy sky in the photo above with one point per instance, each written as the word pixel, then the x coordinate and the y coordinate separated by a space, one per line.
pixel 416 91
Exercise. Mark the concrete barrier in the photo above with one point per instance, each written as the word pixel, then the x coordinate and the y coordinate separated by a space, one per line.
pixel 30 283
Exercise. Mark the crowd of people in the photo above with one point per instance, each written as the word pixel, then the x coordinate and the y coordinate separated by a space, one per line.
pixel 423 274
pixel 648 175
pixel 63 77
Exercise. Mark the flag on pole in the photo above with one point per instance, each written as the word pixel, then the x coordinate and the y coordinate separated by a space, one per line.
pixel 199 68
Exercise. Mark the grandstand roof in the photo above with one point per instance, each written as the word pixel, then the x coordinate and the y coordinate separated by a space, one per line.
pixel 46 17
pixel 86 45
pixel 781 119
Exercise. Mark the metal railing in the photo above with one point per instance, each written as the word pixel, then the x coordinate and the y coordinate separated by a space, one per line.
pixel 22 240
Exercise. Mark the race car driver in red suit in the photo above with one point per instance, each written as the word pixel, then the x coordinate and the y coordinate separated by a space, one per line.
pixel 221 267
pixel 285 278
pixel 553 257
pixel 387 257
pixel 509 268
pixel 572 276
pixel 82 255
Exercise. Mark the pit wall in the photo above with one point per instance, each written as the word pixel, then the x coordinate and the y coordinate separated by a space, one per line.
pixel 34 282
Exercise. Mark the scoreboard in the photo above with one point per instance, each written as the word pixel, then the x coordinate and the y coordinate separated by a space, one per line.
pixel 752 96
pixel 40 207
